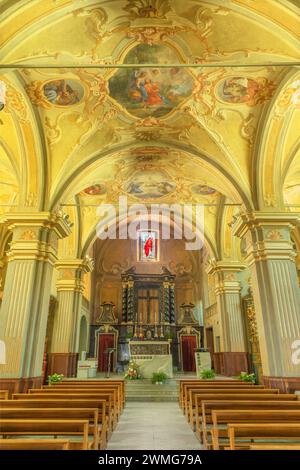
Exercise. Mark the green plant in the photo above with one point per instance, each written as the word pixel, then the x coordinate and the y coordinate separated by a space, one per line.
pixel 207 374
pixel 247 377
pixel 169 335
pixel 159 377
pixel 132 372
pixel 55 378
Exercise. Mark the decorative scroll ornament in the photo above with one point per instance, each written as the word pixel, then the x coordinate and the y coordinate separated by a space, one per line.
pixel 152 34
pixel 252 323
pixel 12 101
pixel 148 8
pixel 107 313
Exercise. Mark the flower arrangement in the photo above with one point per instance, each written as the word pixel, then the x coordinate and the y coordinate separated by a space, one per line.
pixel 247 377
pixel 207 374
pixel 159 378
pixel 55 378
pixel 132 372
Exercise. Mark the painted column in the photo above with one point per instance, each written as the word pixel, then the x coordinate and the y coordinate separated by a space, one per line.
pixel 70 287
pixel 271 257
pixel 228 296
pixel 24 311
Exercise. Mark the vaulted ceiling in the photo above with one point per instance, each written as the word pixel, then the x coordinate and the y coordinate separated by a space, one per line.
pixel 150 99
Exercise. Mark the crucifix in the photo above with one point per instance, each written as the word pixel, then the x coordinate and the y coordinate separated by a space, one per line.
pixel 148 305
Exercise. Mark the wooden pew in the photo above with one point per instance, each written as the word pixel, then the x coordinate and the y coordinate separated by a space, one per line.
pixel 3 394
pixel 107 396
pixel 190 412
pixel 208 405
pixel 283 446
pixel 236 396
pixel 47 403
pixel 188 387
pixel 90 414
pixel 34 444
pixel 115 404
pixel 223 417
pixel 96 382
pixel 48 427
pixel 80 388
pixel 190 397
pixel 275 431
pixel 192 383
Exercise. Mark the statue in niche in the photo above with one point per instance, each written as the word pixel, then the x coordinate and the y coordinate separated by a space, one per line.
pixel 107 313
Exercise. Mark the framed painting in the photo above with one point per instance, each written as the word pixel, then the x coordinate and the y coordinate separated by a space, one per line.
pixel 148 245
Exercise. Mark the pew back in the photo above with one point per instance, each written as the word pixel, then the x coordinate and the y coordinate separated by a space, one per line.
pixel 45 427
pixel 238 432
pixel 34 444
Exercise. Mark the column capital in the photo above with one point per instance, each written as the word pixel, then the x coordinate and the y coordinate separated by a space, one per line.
pixel 226 275
pixel 264 220
pixel 57 221
pixel 35 235
pixel 85 265
pixel 71 273
pixel 267 234
pixel 225 267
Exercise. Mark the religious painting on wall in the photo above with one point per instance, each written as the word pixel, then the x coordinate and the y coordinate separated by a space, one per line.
pixel 239 90
pixel 149 184
pixel 95 190
pixel 148 245
pixel 151 91
pixel 63 92
pixel 203 189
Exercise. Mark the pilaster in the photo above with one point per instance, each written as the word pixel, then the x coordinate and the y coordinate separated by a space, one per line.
pixel 271 257
pixel 24 311
pixel 70 288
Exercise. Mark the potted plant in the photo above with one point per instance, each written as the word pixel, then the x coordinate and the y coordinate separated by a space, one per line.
pixel 55 378
pixel 159 378
pixel 245 377
pixel 207 374
pixel 169 336
pixel 132 372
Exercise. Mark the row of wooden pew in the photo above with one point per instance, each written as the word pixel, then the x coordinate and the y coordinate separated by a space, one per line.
pixel 83 414
pixel 232 414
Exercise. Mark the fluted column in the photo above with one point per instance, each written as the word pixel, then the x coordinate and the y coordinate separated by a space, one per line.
pixel 229 304
pixel 70 287
pixel 26 295
pixel 271 257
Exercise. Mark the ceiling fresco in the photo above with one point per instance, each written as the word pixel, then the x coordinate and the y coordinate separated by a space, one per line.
pixel 151 91
pixel 194 101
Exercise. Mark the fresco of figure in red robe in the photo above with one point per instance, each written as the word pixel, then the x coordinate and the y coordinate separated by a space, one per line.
pixel 148 246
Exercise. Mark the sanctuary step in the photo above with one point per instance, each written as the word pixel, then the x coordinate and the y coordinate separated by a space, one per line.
pixel 143 390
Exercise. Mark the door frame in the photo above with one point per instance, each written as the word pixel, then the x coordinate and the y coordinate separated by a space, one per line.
pixel 107 330
pixel 187 331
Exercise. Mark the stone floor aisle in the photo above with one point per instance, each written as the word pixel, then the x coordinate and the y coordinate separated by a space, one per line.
pixel 153 426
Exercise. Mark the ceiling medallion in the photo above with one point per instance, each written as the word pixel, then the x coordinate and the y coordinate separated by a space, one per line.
pixel 245 90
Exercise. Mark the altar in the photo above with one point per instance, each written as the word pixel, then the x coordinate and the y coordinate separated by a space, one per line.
pixel 152 356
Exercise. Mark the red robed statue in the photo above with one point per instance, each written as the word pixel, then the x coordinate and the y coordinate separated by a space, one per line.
pixel 148 246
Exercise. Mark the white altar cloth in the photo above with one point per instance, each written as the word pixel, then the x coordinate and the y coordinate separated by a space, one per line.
pixel 157 363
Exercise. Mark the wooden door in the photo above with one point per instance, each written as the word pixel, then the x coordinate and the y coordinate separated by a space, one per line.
pixel 188 346
pixel 105 341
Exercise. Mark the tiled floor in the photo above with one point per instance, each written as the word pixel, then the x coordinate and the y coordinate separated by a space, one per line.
pixel 153 426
